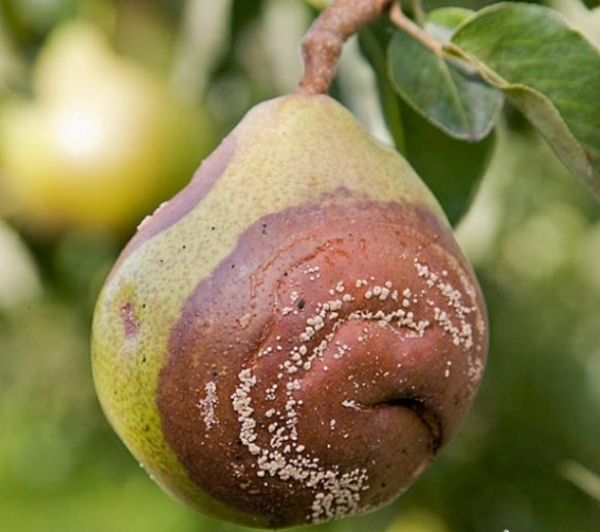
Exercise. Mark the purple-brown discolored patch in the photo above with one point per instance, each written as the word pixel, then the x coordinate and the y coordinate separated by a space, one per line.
pixel 130 323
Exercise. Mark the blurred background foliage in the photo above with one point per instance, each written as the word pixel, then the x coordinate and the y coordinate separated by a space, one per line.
pixel 528 456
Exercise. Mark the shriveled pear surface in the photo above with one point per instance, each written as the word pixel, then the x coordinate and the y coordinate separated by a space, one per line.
pixel 293 337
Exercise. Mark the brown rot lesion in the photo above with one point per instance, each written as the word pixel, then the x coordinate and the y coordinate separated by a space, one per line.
pixel 348 350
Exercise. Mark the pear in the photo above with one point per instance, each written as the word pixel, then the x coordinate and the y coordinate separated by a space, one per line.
pixel 293 337
pixel 101 143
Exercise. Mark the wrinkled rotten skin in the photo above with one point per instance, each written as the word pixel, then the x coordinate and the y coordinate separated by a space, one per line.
pixel 301 367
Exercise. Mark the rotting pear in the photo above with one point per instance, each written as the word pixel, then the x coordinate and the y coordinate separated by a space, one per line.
pixel 293 337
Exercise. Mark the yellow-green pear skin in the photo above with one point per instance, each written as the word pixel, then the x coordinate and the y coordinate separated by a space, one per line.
pixel 293 337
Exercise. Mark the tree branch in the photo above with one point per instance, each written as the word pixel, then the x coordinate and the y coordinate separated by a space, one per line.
pixel 322 45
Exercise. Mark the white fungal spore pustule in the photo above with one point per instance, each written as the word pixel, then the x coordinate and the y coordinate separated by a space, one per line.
pixel 336 493
pixel 208 404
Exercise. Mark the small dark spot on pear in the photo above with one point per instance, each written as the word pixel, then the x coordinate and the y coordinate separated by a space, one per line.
pixel 301 303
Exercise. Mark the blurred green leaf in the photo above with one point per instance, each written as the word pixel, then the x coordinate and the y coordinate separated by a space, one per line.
pixel 446 91
pixel 548 70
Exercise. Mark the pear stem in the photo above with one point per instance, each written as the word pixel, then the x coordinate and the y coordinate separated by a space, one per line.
pixel 323 43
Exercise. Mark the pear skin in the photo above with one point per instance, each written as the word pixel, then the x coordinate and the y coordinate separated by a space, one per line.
pixel 294 336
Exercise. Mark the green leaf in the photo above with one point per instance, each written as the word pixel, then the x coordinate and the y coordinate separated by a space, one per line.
pixel 373 40
pixel 441 23
pixel 548 70
pixel 451 168
pixel 447 91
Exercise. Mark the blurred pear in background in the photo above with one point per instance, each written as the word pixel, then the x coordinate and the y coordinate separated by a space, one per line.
pixel 102 142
